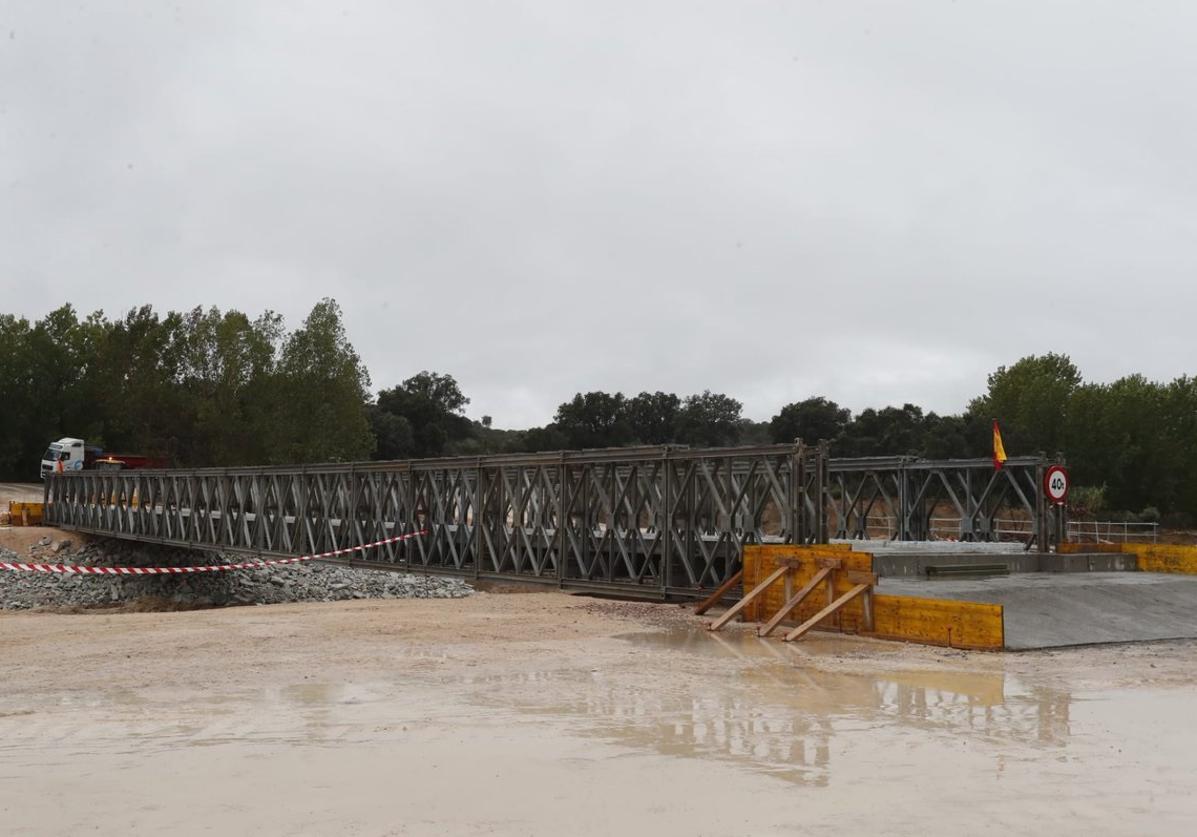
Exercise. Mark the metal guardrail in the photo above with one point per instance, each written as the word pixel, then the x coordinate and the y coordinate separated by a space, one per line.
pixel 1112 531
pixel 882 527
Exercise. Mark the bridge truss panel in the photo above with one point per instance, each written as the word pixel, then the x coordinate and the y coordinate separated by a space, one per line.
pixel 898 498
pixel 654 520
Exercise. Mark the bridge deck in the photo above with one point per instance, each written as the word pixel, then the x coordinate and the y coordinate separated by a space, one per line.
pixel 1049 610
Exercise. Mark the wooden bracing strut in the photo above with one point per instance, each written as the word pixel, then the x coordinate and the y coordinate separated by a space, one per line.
pixel 740 605
pixel 723 589
pixel 828 573
pixel 793 601
pixel 863 589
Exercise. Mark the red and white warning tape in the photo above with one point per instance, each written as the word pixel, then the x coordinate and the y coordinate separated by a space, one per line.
pixel 81 569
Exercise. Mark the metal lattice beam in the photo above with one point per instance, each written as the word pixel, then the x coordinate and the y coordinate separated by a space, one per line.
pixel 659 520
pixel 655 520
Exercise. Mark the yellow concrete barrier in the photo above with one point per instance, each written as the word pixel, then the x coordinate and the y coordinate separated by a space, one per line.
pixel 972 625
pixel 759 561
pixel 1163 557
pixel 24 514
pixel 1150 557
pixel 976 625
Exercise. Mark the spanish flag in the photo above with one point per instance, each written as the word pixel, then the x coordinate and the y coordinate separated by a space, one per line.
pixel 999 450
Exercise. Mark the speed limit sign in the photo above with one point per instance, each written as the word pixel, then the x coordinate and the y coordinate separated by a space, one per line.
pixel 1055 483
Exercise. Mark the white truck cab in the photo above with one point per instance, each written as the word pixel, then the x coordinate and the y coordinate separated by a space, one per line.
pixel 73 455
pixel 66 455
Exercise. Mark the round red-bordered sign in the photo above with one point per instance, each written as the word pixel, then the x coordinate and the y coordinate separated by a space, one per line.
pixel 1055 484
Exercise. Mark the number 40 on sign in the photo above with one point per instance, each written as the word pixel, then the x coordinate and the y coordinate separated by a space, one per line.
pixel 1055 483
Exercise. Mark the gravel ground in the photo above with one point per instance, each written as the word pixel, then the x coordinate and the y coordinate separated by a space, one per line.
pixel 272 585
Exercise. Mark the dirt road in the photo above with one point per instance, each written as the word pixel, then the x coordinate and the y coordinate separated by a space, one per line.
pixel 544 714
pixel 24 492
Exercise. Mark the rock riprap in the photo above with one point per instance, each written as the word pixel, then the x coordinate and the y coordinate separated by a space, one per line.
pixel 305 582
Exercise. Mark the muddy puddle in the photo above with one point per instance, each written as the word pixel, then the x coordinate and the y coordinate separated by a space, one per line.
pixel 673 731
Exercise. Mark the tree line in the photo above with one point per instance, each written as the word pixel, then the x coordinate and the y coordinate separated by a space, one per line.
pixel 218 388
pixel 204 387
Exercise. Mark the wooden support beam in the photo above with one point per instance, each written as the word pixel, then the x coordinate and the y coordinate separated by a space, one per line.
pixel 867 622
pixel 721 591
pixel 857 577
pixel 830 598
pixel 834 607
pixel 756 591
pixel 793 602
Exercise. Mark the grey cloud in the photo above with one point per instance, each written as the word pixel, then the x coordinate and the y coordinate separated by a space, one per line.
pixel 877 202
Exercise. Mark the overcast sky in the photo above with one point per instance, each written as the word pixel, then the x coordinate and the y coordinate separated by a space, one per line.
pixel 876 202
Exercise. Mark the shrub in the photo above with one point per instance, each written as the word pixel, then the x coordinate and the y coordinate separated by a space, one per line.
pixel 1087 500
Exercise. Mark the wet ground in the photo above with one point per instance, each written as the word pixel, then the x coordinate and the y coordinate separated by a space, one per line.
pixel 23 492
pixel 545 714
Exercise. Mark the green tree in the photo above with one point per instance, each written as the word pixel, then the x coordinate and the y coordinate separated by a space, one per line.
pixel 138 371
pixel 204 388
pixel 1030 400
pixel 952 437
pixel 393 434
pixel 431 406
pixel 18 418
pixel 208 387
pixel 228 364
pixel 890 431
pixel 1179 414
pixel 711 419
pixel 58 389
pixel 319 394
pixel 754 432
pixel 653 417
pixel 594 420
pixel 544 438
pixel 442 391
pixel 812 420
pixel 1118 436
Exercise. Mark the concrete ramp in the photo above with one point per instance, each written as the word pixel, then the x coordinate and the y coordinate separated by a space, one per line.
pixel 1051 610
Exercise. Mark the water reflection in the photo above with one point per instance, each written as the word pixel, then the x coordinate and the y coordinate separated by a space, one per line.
pixel 771 710
pixel 806 713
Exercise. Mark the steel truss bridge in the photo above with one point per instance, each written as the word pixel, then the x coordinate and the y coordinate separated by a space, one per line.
pixel 655 521
pixel 898 497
